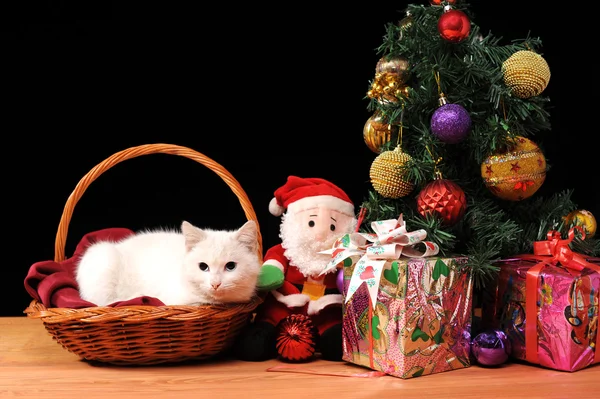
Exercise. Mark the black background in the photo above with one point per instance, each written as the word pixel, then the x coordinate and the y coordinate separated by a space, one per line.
pixel 267 91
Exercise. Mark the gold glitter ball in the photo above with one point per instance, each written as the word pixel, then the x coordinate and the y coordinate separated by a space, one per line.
pixel 517 173
pixel 526 73
pixel 377 133
pixel 389 174
pixel 582 218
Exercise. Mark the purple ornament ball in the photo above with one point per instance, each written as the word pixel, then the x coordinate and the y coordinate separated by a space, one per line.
pixel 491 348
pixel 451 123
pixel 340 280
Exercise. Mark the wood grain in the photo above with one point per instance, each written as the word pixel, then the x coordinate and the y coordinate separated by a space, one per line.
pixel 32 365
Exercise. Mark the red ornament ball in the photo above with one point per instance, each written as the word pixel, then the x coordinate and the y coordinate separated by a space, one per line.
pixel 454 26
pixel 443 198
pixel 296 338
pixel 439 2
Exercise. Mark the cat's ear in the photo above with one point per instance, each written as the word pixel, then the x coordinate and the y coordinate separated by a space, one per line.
pixel 248 235
pixel 193 235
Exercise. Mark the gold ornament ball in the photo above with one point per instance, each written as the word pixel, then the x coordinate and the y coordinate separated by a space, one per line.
pixel 517 173
pixel 377 132
pixel 387 87
pixel 526 73
pixel 403 91
pixel 405 24
pixel 389 174
pixel 397 65
pixel 582 218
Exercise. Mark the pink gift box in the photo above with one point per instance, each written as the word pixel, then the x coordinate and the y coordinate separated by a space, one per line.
pixel 563 304
pixel 421 321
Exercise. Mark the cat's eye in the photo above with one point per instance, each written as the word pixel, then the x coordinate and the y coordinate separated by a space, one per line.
pixel 229 266
pixel 332 227
pixel 311 223
pixel 203 266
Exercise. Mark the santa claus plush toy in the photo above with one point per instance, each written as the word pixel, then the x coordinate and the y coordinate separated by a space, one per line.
pixel 302 312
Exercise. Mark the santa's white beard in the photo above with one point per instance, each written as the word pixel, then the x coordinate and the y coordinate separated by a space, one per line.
pixel 302 249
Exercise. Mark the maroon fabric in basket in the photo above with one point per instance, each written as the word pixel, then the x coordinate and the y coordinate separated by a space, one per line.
pixel 54 285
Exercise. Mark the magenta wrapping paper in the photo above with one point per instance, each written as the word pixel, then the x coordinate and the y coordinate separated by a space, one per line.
pixel 567 316
pixel 421 323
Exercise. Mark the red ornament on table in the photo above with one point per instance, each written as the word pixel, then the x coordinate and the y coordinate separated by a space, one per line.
pixel 296 338
pixel 443 198
pixel 454 26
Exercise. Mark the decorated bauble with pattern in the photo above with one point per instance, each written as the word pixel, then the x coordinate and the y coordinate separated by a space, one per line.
pixel 377 132
pixel 526 73
pixel 583 218
pixel 515 173
pixel 389 173
pixel 444 199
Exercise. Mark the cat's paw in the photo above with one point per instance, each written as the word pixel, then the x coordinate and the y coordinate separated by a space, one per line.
pixel 270 278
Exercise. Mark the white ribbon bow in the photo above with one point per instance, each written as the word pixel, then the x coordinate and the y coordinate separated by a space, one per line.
pixel 390 241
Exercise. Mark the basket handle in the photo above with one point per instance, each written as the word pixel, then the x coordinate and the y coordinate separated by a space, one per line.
pixel 133 152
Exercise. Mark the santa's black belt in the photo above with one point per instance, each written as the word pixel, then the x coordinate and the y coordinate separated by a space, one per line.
pixel 328 291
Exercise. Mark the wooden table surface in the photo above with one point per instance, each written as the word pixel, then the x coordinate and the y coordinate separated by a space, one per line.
pixel 33 365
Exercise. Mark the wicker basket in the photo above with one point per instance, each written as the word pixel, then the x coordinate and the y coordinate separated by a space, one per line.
pixel 145 335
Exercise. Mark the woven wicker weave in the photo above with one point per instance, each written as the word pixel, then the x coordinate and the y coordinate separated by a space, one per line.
pixel 145 335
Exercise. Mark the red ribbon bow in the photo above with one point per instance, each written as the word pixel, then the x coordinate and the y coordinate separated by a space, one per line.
pixel 559 249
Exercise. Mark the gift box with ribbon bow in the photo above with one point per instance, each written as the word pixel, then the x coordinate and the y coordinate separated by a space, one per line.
pixel 406 312
pixel 547 303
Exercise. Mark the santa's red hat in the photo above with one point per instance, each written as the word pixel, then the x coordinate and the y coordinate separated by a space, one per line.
pixel 299 194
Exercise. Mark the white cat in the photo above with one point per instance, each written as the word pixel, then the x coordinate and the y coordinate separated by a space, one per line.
pixel 190 267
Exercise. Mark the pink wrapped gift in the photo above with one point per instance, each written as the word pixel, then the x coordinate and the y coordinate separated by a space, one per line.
pixel 557 289
pixel 406 313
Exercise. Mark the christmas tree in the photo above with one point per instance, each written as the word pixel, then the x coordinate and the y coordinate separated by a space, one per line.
pixel 455 128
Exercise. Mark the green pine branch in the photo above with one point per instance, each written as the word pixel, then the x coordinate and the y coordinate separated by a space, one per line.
pixel 468 73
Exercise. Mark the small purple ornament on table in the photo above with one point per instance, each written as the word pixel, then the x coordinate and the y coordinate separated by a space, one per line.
pixel 450 123
pixel 491 348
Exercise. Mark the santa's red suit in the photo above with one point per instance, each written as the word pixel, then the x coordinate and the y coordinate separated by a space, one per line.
pixel 317 211
pixel 326 300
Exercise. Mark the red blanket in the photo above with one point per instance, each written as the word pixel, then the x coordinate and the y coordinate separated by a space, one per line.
pixel 54 285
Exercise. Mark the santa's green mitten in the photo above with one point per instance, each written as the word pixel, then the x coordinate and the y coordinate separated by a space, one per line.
pixel 270 278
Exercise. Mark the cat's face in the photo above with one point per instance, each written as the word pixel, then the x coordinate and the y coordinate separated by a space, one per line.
pixel 222 265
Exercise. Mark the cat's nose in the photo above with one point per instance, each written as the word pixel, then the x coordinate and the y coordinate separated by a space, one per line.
pixel 215 286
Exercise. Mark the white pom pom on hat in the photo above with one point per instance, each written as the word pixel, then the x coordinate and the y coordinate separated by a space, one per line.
pixel 299 194
pixel 275 208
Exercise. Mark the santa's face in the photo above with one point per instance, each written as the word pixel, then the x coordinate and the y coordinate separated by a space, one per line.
pixel 309 231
